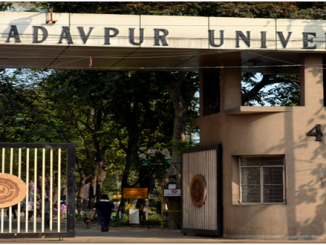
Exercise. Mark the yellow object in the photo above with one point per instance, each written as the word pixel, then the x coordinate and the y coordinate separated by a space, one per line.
pixel 135 193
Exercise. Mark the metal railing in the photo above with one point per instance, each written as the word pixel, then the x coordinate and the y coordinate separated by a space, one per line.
pixel 40 166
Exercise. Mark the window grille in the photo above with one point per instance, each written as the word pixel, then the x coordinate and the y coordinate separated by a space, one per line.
pixel 262 180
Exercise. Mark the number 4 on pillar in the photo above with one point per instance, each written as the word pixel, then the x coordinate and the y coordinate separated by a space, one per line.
pixel 316 131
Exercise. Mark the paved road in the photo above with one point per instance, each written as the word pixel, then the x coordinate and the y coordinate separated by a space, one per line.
pixel 141 235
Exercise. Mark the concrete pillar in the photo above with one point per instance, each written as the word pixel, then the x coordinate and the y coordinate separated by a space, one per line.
pixel 210 95
pixel 231 83
pixel 311 83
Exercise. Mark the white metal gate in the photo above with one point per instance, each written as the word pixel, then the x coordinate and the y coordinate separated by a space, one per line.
pixel 44 168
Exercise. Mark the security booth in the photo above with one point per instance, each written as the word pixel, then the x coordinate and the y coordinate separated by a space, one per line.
pixel 273 160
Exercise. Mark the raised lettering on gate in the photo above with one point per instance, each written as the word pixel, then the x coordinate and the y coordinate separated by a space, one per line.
pixel 9 190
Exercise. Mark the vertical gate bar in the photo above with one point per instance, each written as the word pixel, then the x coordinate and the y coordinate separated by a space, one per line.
pixel 3 159
pixel 11 159
pixel 19 176
pixel 35 189
pixel 43 190
pixel 71 163
pixel 3 170
pixel 10 171
pixel 51 188
pixel 27 190
pixel 59 189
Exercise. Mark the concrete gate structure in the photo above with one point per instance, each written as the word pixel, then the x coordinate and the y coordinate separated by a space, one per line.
pixel 273 161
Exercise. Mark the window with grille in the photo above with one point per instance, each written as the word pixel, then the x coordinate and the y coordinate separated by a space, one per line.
pixel 262 180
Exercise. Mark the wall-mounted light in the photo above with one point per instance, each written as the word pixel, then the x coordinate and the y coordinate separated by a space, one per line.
pixel 51 19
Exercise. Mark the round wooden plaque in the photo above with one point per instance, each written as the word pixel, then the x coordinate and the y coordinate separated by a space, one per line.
pixel 12 190
pixel 198 190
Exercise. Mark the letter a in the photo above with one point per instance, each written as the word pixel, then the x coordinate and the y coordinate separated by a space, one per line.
pixel 65 34
pixel 13 33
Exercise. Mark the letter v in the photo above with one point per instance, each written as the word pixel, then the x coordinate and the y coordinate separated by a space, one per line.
pixel 283 41
pixel 82 33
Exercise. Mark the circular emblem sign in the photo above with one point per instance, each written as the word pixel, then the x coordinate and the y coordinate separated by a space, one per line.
pixel 12 190
pixel 198 190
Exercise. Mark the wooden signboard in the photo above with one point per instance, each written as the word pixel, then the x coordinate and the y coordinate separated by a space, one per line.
pixel 12 190
pixel 135 193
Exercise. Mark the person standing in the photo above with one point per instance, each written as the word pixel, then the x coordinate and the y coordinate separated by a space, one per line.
pixel 38 208
pixel 30 209
pixel 63 208
pixel 47 212
pixel 23 205
pixel 103 209
pixel 13 210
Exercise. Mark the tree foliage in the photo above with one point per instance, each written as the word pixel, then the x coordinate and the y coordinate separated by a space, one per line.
pixel 288 10
pixel 272 89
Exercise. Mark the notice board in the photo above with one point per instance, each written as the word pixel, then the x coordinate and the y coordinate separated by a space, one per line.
pixel 135 193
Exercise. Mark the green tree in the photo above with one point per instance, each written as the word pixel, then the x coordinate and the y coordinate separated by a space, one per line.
pixel 139 121
pixel 285 89
pixel 98 108
pixel 77 103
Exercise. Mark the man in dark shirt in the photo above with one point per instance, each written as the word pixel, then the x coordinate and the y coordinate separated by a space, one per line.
pixel 13 210
pixel 104 209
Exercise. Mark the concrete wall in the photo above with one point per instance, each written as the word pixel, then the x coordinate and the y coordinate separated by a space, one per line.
pixel 273 131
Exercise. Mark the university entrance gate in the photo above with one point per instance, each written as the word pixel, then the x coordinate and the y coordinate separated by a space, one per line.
pixel 47 172
pixel 273 169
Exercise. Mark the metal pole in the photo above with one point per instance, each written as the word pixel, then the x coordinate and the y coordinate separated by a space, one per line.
pixel 19 176
pixel 128 212
pixel 27 190
pixel 43 190
pixel 162 206
pixel 51 188
pixel 59 188
pixel 10 171
pixel 35 189
pixel 3 170
pixel 141 214
pixel 70 194
pixel 51 10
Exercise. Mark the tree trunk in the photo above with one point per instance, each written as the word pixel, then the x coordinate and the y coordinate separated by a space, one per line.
pixel 174 173
pixel 180 121
pixel 81 185
pixel 99 179
pixel 91 196
pixel 80 191
pixel 145 182
pixel 131 153
pixel 118 188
